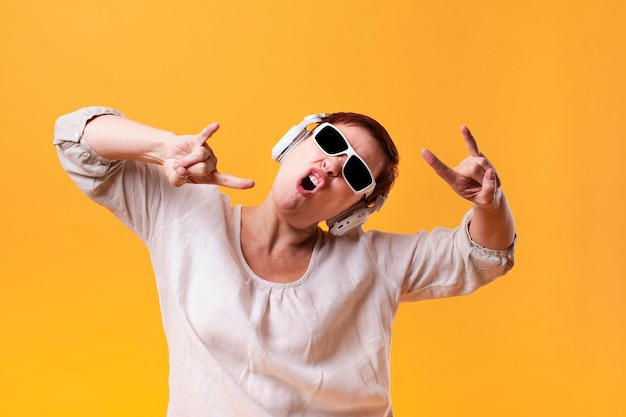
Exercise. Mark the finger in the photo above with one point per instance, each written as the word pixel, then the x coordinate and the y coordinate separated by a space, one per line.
pixel 177 177
pixel 203 168
pixel 231 181
pixel 439 167
pixel 197 156
pixel 200 162
pixel 470 142
pixel 207 132
pixel 201 151
pixel 489 186
pixel 474 168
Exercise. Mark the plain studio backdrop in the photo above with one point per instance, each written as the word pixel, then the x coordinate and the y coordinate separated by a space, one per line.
pixel 540 83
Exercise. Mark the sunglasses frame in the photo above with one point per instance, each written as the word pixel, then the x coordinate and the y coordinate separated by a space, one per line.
pixel 350 152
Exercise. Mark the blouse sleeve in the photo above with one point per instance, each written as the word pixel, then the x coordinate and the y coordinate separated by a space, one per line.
pixel 132 191
pixel 441 263
pixel 85 167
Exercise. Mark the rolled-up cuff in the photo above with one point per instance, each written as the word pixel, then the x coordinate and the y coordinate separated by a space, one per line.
pixel 70 127
pixel 508 253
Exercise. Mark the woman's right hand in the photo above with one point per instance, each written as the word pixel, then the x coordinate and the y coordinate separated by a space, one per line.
pixel 189 159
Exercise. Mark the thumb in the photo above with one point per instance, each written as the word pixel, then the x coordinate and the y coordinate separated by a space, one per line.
pixel 489 186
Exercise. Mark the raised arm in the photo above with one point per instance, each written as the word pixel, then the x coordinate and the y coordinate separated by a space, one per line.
pixel 185 158
pixel 476 180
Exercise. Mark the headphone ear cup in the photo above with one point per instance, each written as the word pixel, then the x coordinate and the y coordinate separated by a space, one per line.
pixel 346 213
pixel 349 219
pixel 354 216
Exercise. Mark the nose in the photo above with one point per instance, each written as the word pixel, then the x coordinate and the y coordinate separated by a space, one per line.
pixel 332 165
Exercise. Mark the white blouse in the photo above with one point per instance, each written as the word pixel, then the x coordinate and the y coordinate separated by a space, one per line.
pixel 243 346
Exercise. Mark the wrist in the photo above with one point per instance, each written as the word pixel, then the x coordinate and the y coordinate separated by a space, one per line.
pixel 493 226
pixel 158 153
pixel 491 207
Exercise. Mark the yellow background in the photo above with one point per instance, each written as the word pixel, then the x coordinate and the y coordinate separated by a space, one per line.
pixel 541 84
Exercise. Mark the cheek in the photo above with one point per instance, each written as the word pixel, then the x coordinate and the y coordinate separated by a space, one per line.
pixel 284 178
pixel 304 151
pixel 343 196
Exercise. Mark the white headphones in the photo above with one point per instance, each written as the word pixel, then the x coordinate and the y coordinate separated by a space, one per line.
pixel 294 136
pixel 354 216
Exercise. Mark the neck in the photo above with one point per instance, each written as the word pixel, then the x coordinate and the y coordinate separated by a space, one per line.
pixel 274 250
pixel 266 227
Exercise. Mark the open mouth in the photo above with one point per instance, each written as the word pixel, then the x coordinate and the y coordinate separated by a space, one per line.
pixel 310 182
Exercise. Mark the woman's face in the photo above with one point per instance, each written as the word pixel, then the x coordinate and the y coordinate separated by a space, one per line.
pixel 310 187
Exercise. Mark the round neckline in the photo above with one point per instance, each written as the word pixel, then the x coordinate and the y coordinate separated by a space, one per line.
pixel 305 276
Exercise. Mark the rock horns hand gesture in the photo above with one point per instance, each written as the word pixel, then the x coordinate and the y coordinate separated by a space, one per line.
pixel 189 159
pixel 474 179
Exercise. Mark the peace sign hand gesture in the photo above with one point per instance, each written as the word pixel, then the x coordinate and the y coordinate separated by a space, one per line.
pixel 474 179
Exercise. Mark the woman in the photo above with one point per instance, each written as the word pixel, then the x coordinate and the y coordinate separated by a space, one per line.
pixel 266 314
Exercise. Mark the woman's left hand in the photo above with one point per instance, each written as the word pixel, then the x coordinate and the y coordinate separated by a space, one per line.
pixel 474 179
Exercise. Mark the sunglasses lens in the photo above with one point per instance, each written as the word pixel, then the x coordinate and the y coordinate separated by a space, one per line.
pixel 357 174
pixel 331 141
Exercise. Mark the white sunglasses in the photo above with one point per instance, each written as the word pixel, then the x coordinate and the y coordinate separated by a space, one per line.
pixel 355 171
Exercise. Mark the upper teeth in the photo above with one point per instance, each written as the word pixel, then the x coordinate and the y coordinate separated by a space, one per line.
pixel 313 179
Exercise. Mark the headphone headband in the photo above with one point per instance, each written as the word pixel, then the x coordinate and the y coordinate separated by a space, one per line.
pixel 295 136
